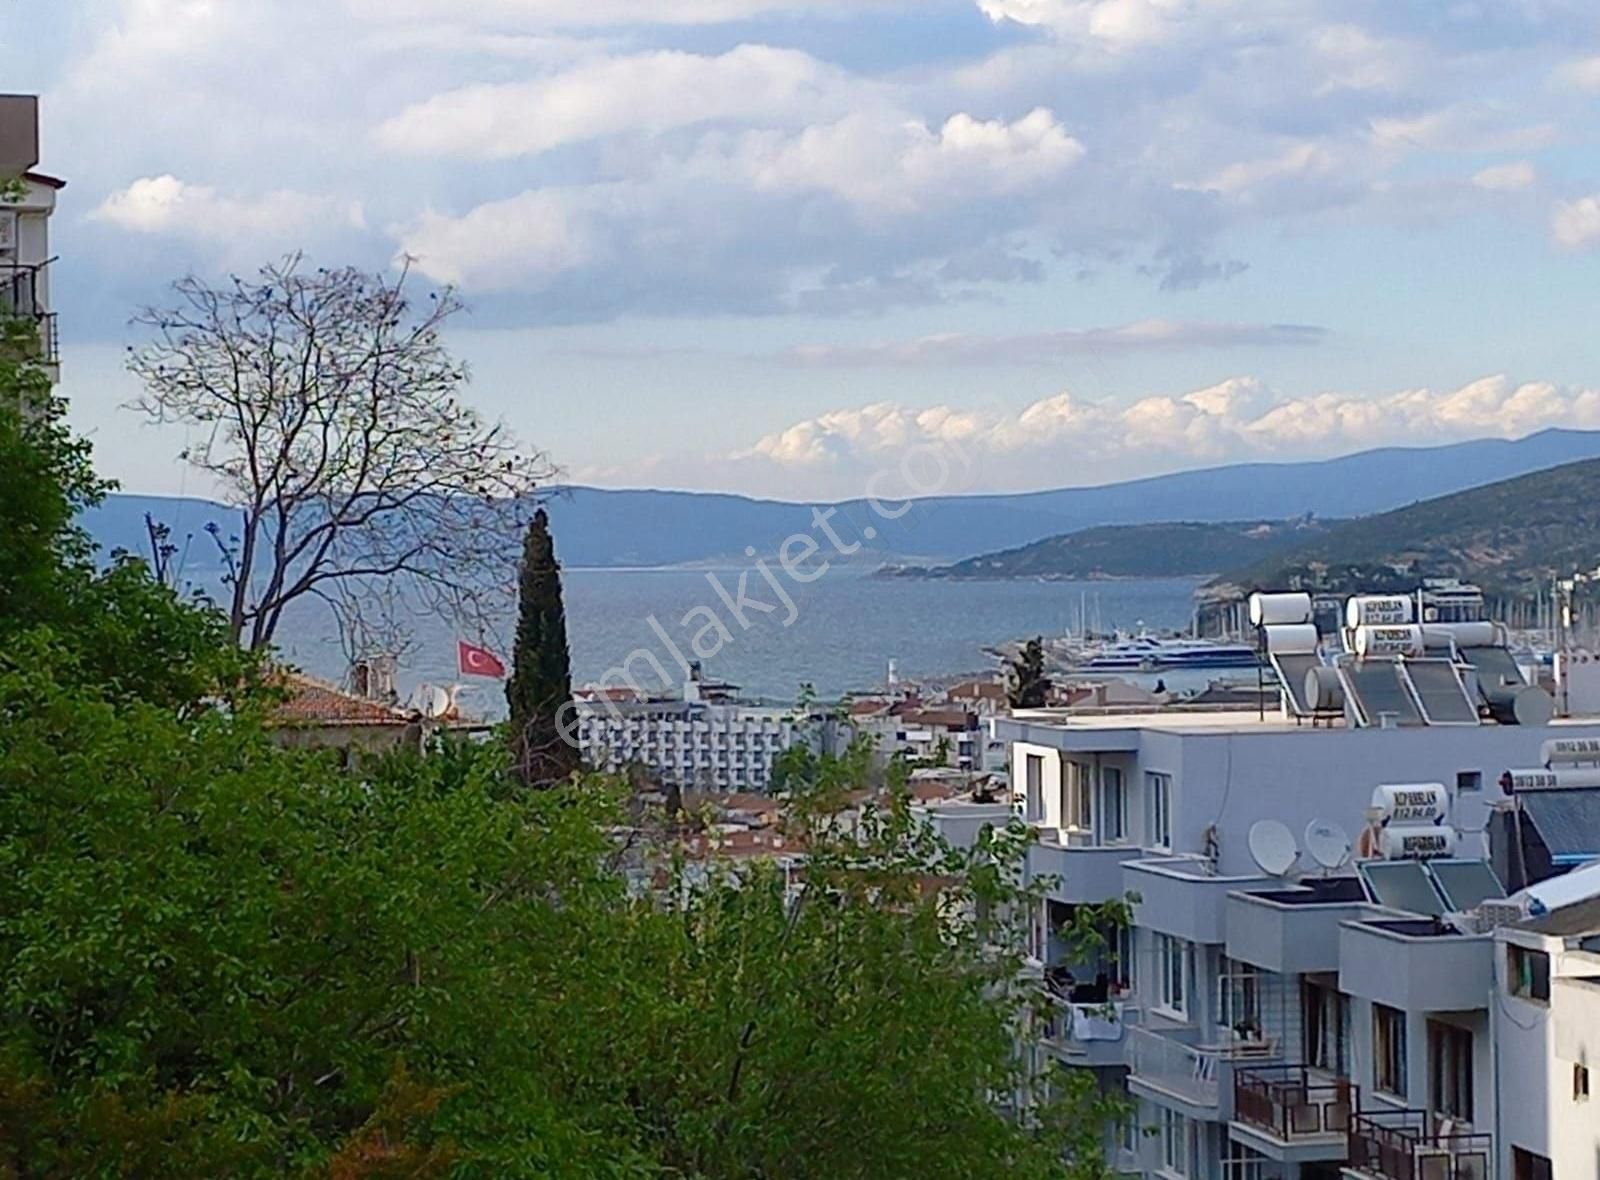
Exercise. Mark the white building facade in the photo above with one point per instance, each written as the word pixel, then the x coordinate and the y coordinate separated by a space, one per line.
pixel 689 744
pixel 1281 1026
pixel 27 200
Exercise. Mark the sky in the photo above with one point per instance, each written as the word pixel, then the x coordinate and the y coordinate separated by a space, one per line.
pixel 777 246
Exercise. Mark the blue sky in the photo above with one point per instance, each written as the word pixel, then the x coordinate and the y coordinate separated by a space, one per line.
pixel 772 245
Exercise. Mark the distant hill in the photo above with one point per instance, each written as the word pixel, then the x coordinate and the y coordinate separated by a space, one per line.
pixel 598 527
pixel 1509 537
pixel 1132 551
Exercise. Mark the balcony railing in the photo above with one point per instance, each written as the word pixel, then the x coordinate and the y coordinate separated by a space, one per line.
pixel 1291 1103
pixel 1415 1145
pixel 1073 1027
pixel 1193 1073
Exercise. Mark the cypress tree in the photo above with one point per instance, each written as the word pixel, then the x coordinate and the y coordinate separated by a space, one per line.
pixel 1030 687
pixel 540 687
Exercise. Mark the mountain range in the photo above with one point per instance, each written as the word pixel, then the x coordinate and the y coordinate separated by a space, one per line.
pixel 1510 537
pixel 597 527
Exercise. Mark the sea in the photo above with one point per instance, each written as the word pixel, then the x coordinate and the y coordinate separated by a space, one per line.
pixel 839 635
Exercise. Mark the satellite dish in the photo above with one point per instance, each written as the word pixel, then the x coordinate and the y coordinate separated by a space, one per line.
pixel 1272 847
pixel 430 700
pixel 1328 844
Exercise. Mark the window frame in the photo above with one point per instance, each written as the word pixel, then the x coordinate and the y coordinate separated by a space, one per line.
pixel 1450 1071
pixel 1158 817
pixel 1033 787
pixel 1177 1139
pixel 1389 1051
pixel 1113 805
pixel 1528 973
pixel 1174 976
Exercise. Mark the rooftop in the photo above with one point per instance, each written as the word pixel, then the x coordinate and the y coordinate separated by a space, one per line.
pixel 316 702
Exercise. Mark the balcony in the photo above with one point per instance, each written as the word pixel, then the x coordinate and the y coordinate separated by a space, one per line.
pixel 1182 897
pixel 1414 1145
pixel 1084 871
pixel 1089 1035
pixel 1292 1114
pixel 1293 931
pixel 1195 1079
pixel 1415 964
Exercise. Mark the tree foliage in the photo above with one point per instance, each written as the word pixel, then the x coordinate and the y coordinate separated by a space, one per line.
pixel 1030 685
pixel 325 403
pixel 226 958
pixel 539 692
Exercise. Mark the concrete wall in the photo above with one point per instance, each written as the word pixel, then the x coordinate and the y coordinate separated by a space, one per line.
pixel 1538 1044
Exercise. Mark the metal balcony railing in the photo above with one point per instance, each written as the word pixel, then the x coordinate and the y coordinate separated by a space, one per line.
pixel 1416 1145
pixel 1292 1103
pixel 1170 1065
pixel 1072 1027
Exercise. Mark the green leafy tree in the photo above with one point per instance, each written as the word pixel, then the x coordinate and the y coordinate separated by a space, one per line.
pixel 539 692
pixel 1030 686
pixel 224 958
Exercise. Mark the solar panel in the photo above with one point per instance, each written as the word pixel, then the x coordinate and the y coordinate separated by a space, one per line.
pixel 1567 821
pixel 1466 884
pixel 1443 696
pixel 1495 666
pixel 1402 885
pixel 1292 668
pixel 1378 689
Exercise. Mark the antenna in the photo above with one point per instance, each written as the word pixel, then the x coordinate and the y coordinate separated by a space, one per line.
pixel 1328 844
pixel 1272 847
pixel 430 700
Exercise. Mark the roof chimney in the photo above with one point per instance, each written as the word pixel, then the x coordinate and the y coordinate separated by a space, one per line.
pixel 19 133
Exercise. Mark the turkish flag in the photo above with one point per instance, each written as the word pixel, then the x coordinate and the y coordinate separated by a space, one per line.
pixel 478 661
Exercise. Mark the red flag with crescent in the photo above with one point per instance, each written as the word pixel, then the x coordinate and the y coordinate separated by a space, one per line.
pixel 478 661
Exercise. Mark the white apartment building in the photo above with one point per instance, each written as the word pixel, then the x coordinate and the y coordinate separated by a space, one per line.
pixel 1309 1022
pixel 689 744
pixel 27 200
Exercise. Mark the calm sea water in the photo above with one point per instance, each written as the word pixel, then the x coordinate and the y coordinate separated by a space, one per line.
pixel 845 628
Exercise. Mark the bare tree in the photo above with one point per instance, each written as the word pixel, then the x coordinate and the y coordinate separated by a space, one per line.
pixel 327 406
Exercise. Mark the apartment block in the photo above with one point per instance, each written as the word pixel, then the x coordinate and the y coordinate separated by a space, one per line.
pixel 27 200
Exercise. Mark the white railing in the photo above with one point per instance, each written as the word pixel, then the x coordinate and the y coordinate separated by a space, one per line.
pixel 1073 1026
pixel 1181 1070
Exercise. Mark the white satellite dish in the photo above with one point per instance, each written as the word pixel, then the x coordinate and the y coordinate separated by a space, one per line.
pixel 1272 847
pixel 430 700
pixel 1328 844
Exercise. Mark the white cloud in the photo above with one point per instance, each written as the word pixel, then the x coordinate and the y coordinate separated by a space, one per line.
pixel 1119 24
pixel 646 92
pixel 1506 178
pixel 902 164
pixel 1582 74
pixel 519 242
pixel 167 205
pixel 1046 347
pixel 562 14
pixel 1576 224
pixel 1235 420
pixel 1295 161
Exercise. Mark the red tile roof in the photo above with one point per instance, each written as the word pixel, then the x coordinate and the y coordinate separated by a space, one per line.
pixel 316 702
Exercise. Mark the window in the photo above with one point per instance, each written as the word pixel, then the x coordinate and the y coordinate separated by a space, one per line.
pixel 1450 1070
pixel 1033 778
pixel 1528 973
pixel 1389 1050
pixel 1326 1028
pixel 1174 1143
pixel 1469 780
pixel 1128 1133
pixel 1122 957
pixel 1239 999
pixel 1525 1165
pixel 1580 1083
pixel 1172 975
pixel 1077 814
pixel 1158 791
pixel 1113 806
